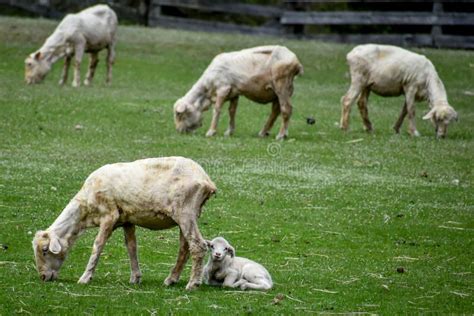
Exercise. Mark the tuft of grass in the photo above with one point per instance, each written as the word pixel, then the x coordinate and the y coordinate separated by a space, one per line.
pixel 332 215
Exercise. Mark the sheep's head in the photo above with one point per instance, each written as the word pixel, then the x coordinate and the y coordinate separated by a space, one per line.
pixel 219 248
pixel 441 116
pixel 49 255
pixel 36 68
pixel 187 117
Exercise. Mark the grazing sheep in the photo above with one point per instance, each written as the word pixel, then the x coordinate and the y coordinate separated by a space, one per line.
pixel 262 74
pixel 90 31
pixel 225 269
pixel 155 193
pixel 392 71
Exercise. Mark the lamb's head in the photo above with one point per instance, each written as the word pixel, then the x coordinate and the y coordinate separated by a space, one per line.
pixel 49 254
pixel 187 117
pixel 36 68
pixel 441 116
pixel 220 248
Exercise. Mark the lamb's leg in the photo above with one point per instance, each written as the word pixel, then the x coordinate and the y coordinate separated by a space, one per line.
pixel 64 75
pixel 78 54
pixel 271 119
pixel 364 112
pixel 260 285
pixel 230 280
pixel 220 99
pixel 232 110
pixel 94 60
pixel 131 243
pixel 105 230
pixel 347 100
pixel 283 87
pixel 401 117
pixel 197 249
pixel 110 61
pixel 410 102
pixel 183 256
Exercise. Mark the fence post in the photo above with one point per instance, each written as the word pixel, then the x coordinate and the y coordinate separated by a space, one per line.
pixel 154 12
pixel 436 30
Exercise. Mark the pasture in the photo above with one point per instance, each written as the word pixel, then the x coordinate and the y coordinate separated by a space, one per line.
pixel 331 215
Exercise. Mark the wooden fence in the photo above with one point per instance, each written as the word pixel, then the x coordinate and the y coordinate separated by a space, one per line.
pixel 284 20
pixel 292 18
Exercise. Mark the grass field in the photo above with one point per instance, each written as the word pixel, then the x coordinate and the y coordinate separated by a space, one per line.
pixel 332 215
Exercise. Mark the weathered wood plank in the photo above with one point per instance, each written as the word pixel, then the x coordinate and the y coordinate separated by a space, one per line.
pixel 376 18
pixel 210 26
pixel 219 7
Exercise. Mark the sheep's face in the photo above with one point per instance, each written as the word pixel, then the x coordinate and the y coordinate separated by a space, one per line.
pixel 220 248
pixel 36 68
pixel 49 255
pixel 441 116
pixel 187 117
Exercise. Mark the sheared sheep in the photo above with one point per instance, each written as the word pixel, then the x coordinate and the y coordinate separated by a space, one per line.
pixel 262 74
pixel 393 71
pixel 156 193
pixel 90 31
pixel 225 269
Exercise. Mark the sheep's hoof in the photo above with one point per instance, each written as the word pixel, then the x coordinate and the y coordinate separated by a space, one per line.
pixel 85 278
pixel 170 281
pixel 192 286
pixel 229 133
pixel 75 84
pixel 263 134
pixel 87 82
pixel 281 136
pixel 211 133
pixel 61 82
pixel 135 279
pixel 415 133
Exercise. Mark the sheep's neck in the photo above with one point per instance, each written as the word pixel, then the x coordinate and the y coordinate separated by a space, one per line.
pixel 54 48
pixel 67 226
pixel 198 94
pixel 436 91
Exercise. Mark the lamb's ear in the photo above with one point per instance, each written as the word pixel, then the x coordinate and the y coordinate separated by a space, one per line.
pixel 37 56
pixel 54 244
pixel 231 251
pixel 429 115
pixel 180 107
pixel 208 243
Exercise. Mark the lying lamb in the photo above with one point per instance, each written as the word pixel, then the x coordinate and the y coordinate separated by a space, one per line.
pixel 156 193
pixel 392 71
pixel 90 31
pixel 224 268
pixel 262 74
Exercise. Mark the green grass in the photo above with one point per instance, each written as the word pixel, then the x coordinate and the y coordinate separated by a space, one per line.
pixel 332 215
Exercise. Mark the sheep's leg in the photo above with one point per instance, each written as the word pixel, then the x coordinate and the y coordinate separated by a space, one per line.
pixel 183 256
pixel 94 60
pixel 110 62
pixel 131 243
pixel 271 119
pixel 364 112
pixel 283 87
pixel 232 110
pixel 410 102
pixel 64 75
pixel 78 54
pixel 230 279
pixel 347 101
pixel 261 285
pixel 197 249
pixel 401 117
pixel 220 99
pixel 105 230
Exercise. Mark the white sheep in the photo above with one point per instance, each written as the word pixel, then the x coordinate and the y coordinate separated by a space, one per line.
pixel 393 71
pixel 88 31
pixel 225 269
pixel 155 193
pixel 262 74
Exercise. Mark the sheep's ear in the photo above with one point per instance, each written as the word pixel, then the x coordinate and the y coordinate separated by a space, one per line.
pixel 37 56
pixel 429 115
pixel 231 251
pixel 180 107
pixel 208 243
pixel 54 245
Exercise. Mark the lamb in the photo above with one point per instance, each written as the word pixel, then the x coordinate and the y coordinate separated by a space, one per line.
pixel 155 193
pixel 225 269
pixel 90 31
pixel 392 71
pixel 262 74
